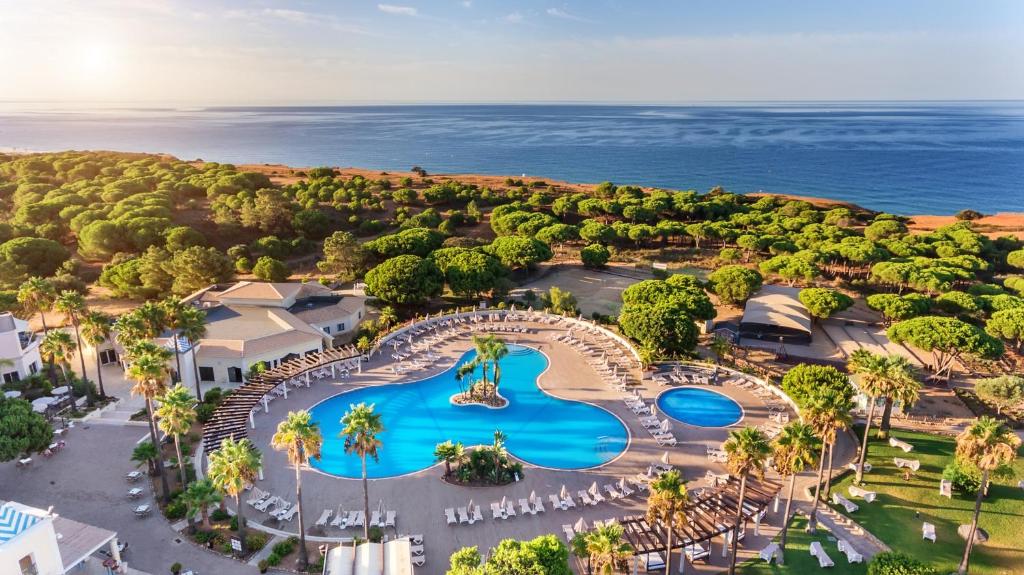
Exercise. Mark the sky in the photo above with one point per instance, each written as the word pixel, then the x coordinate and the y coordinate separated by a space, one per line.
pixel 263 52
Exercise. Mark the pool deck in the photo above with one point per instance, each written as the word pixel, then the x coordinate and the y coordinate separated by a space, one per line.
pixel 421 498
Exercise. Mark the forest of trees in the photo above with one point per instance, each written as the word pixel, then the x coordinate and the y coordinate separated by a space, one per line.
pixel 147 226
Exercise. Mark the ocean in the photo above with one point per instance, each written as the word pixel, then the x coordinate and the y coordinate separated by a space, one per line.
pixel 905 158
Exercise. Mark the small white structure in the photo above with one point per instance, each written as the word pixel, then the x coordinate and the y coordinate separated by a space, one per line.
pixel 928 531
pixel 819 553
pixel 20 347
pixel 946 488
pixel 36 541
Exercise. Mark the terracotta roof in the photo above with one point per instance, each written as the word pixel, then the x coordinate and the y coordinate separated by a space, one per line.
pixel 234 331
pixel 265 290
pixel 317 313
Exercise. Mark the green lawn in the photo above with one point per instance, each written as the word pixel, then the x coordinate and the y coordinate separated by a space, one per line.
pixel 798 557
pixel 891 517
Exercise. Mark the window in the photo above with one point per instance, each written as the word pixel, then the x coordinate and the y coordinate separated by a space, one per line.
pixel 235 374
pixel 28 565
pixel 11 377
pixel 108 356
pixel 341 327
pixel 33 368
pixel 206 373
pixel 327 329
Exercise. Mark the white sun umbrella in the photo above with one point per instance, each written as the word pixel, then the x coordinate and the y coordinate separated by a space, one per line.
pixel 512 307
pixel 62 390
pixel 470 506
pixel 533 496
pixel 654 409
pixel 664 458
pixel 580 526
pixel 622 483
pixel 380 507
pixel 666 425
pixel 593 488
pixel 564 494
pixel 530 309
pixel 504 501
pixel 13 394
pixel 40 404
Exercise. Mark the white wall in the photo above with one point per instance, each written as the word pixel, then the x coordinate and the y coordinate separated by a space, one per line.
pixel 220 365
pixel 22 359
pixel 40 541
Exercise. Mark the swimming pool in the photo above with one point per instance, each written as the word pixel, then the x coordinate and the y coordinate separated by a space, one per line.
pixel 541 429
pixel 700 407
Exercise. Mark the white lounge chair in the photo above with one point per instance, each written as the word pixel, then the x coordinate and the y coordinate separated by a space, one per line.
pixel 340 519
pixel 946 488
pixel 585 497
pixel 768 553
pixel 133 476
pixel 266 503
pixel 449 516
pixel 906 447
pixel 612 492
pixel 696 551
pixel 463 515
pixel 143 510
pixel 818 552
pixel 853 467
pixel 928 531
pixel 375 519
pixel 557 503
pixel 851 554
pixel 850 506
pixel 416 550
pixel 390 518
pixel 538 506
pixel 568 502
pixel 524 507
pixel 864 494
pixel 569 533
pixel 358 519
pixel 288 514
pixel 597 497
pixel 324 518
pixel 419 560
pixel 510 509
pixel 475 515
pixel 496 511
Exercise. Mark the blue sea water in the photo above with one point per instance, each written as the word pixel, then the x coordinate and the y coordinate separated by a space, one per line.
pixel 906 158
pixel 700 407
pixel 541 429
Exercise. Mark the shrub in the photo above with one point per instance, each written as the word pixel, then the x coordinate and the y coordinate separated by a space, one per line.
pixel 964 477
pixel 896 563
pixel 204 411
pixel 255 541
pixel 284 548
pixel 376 534
pixel 594 255
pixel 175 509
pixel 233 524
pixel 263 565
pixel 220 515
pixel 273 559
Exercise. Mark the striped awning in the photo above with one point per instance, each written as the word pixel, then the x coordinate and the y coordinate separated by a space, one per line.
pixel 13 521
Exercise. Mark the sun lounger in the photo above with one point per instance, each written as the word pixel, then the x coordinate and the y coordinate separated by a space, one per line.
pixel 287 515
pixel 135 493
pixel 463 515
pixel 612 492
pixel 24 462
pixel 416 550
pixel 474 514
pixel 510 509
pixel 358 520
pixel 838 499
pixel 818 552
pixel 639 485
pixel 624 489
pixel 281 510
pixel 596 495
pixel 669 440
pixel 257 496
pixel 853 467
pixel 928 531
pixel 906 447
pixel 768 553
pixel 449 516
pixel 496 511
pixel 538 506
pixel 143 510
pixel 568 502
pixel 133 476
pixel 696 552
pixel 569 533
pixel 851 554
pixel 908 463
pixel 556 503
pixel 946 488
pixel 390 518
pixel 864 494
pixel 340 518
pixel 266 503
pixel 524 507
pixel 585 498
pixel 419 560
pixel 375 519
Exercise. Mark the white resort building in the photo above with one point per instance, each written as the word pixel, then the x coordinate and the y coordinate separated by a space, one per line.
pixel 19 349
pixel 36 542
pixel 252 322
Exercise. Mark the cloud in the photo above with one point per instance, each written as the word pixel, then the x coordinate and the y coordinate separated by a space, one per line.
pixel 559 13
pixel 290 15
pixel 467 3
pixel 514 18
pixel 400 10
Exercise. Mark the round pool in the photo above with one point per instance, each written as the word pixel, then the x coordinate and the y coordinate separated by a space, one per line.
pixel 542 429
pixel 700 407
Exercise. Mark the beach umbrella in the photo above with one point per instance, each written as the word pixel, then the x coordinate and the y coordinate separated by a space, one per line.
pixel 580 526
pixel 593 488
pixel 512 307
pixel 666 425
pixel 530 309
pixel 664 458
pixel 622 483
pixel 564 493
pixel 504 501
pixel 533 496
pixel 654 409
pixel 62 390
pixel 470 506
pixel 650 471
pixel 40 404
pixel 12 394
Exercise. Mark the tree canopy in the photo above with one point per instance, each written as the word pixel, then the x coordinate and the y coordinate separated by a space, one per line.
pixel 405 280
pixel 22 431
pixel 734 284
pixel 823 302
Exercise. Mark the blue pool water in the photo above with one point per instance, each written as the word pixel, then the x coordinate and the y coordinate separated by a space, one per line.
pixel 700 407
pixel 541 429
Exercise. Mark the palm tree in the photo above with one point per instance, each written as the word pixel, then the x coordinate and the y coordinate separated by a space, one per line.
pixel 606 549
pixel 172 309
pixel 496 351
pixel 827 412
pixel 880 376
pixel 199 496
pixel 387 317
pixel 498 451
pixel 667 505
pixel 130 331
pixel 903 387
pixel 58 348
pixel 300 437
pixel 153 317
pixel 146 453
pixel 177 414
pixel 191 324
pixel 483 349
pixel 72 305
pixel 746 451
pixel 449 452
pixel 991 447
pixel 231 469
pixel 361 426
pixel 95 327
pixel 37 295
pixel 149 372
pixel 794 450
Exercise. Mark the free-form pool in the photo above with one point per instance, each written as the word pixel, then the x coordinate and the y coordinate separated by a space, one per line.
pixel 700 407
pixel 541 429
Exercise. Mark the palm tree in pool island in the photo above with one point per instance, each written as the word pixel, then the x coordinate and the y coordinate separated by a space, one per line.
pixel 176 415
pixel 991 447
pixel 360 429
pixel 450 453
pixel 794 450
pixel 232 467
pixel 666 505
pixel 746 451
pixel 299 436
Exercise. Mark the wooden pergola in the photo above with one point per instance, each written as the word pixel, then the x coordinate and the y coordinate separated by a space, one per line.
pixel 708 515
pixel 231 419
